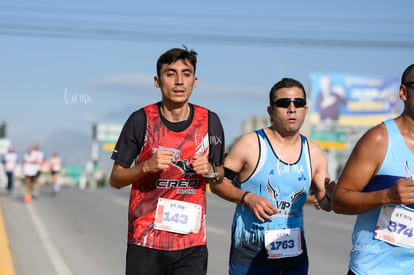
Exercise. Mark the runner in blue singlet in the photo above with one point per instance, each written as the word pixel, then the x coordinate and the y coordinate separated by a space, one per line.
pixel 377 184
pixel 273 170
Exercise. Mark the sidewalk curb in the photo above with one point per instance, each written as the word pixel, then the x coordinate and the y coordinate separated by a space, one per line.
pixel 6 263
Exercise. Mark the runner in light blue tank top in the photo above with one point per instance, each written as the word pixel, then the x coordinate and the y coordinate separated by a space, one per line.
pixel 269 173
pixel 377 185
pixel 369 255
pixel 269 181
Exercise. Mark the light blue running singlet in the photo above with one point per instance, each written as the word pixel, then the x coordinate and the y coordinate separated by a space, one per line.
pixel 285 185
pixel 369 255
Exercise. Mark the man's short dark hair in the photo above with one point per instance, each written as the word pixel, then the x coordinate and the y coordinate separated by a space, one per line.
pixel 175 54
pixel 406 73
pixel 285 83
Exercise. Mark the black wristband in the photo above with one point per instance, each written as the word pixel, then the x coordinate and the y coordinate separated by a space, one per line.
pixel 230 174
pixel 242 199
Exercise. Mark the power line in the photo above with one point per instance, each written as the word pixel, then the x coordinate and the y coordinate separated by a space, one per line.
pixel 21 22
pixel 49 31
pixel 210 16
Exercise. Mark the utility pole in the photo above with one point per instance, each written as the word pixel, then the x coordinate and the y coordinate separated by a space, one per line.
pixel 92 167
pixel 3 132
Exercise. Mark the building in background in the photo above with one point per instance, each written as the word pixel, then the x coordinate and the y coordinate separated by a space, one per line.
pixel 253 123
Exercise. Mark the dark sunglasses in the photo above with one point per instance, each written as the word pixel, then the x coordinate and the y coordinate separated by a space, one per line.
pixel 285 102
pixel 409 84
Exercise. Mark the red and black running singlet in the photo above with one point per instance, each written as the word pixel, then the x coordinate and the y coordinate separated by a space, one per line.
pixel 178 182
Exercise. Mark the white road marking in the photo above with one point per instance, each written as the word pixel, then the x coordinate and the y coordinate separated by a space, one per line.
pixel 57 259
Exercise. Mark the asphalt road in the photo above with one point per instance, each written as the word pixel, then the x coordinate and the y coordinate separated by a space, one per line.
pixel 84 232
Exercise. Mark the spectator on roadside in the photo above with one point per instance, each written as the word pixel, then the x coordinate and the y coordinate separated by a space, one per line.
pixel 55 164
pixel 10 163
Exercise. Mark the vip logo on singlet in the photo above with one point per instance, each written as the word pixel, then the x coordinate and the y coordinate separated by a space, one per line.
pixel 284 205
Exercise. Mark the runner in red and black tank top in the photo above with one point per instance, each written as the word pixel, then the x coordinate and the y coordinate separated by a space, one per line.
pixel 177 147
pixel 178 182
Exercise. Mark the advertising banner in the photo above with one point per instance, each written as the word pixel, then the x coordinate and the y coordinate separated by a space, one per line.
pixel 344 99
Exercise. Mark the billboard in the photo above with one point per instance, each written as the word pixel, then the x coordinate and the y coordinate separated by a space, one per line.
pixel 108 134
pixel 345 99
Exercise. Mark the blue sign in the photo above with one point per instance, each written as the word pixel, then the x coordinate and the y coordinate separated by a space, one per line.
pixel 353 100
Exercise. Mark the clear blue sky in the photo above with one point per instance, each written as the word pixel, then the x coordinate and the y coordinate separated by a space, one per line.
pixel 64 64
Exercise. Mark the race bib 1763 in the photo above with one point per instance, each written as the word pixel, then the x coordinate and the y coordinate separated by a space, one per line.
pixel 283 243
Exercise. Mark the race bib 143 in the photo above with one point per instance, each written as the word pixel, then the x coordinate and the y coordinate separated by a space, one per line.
pixel 177 216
